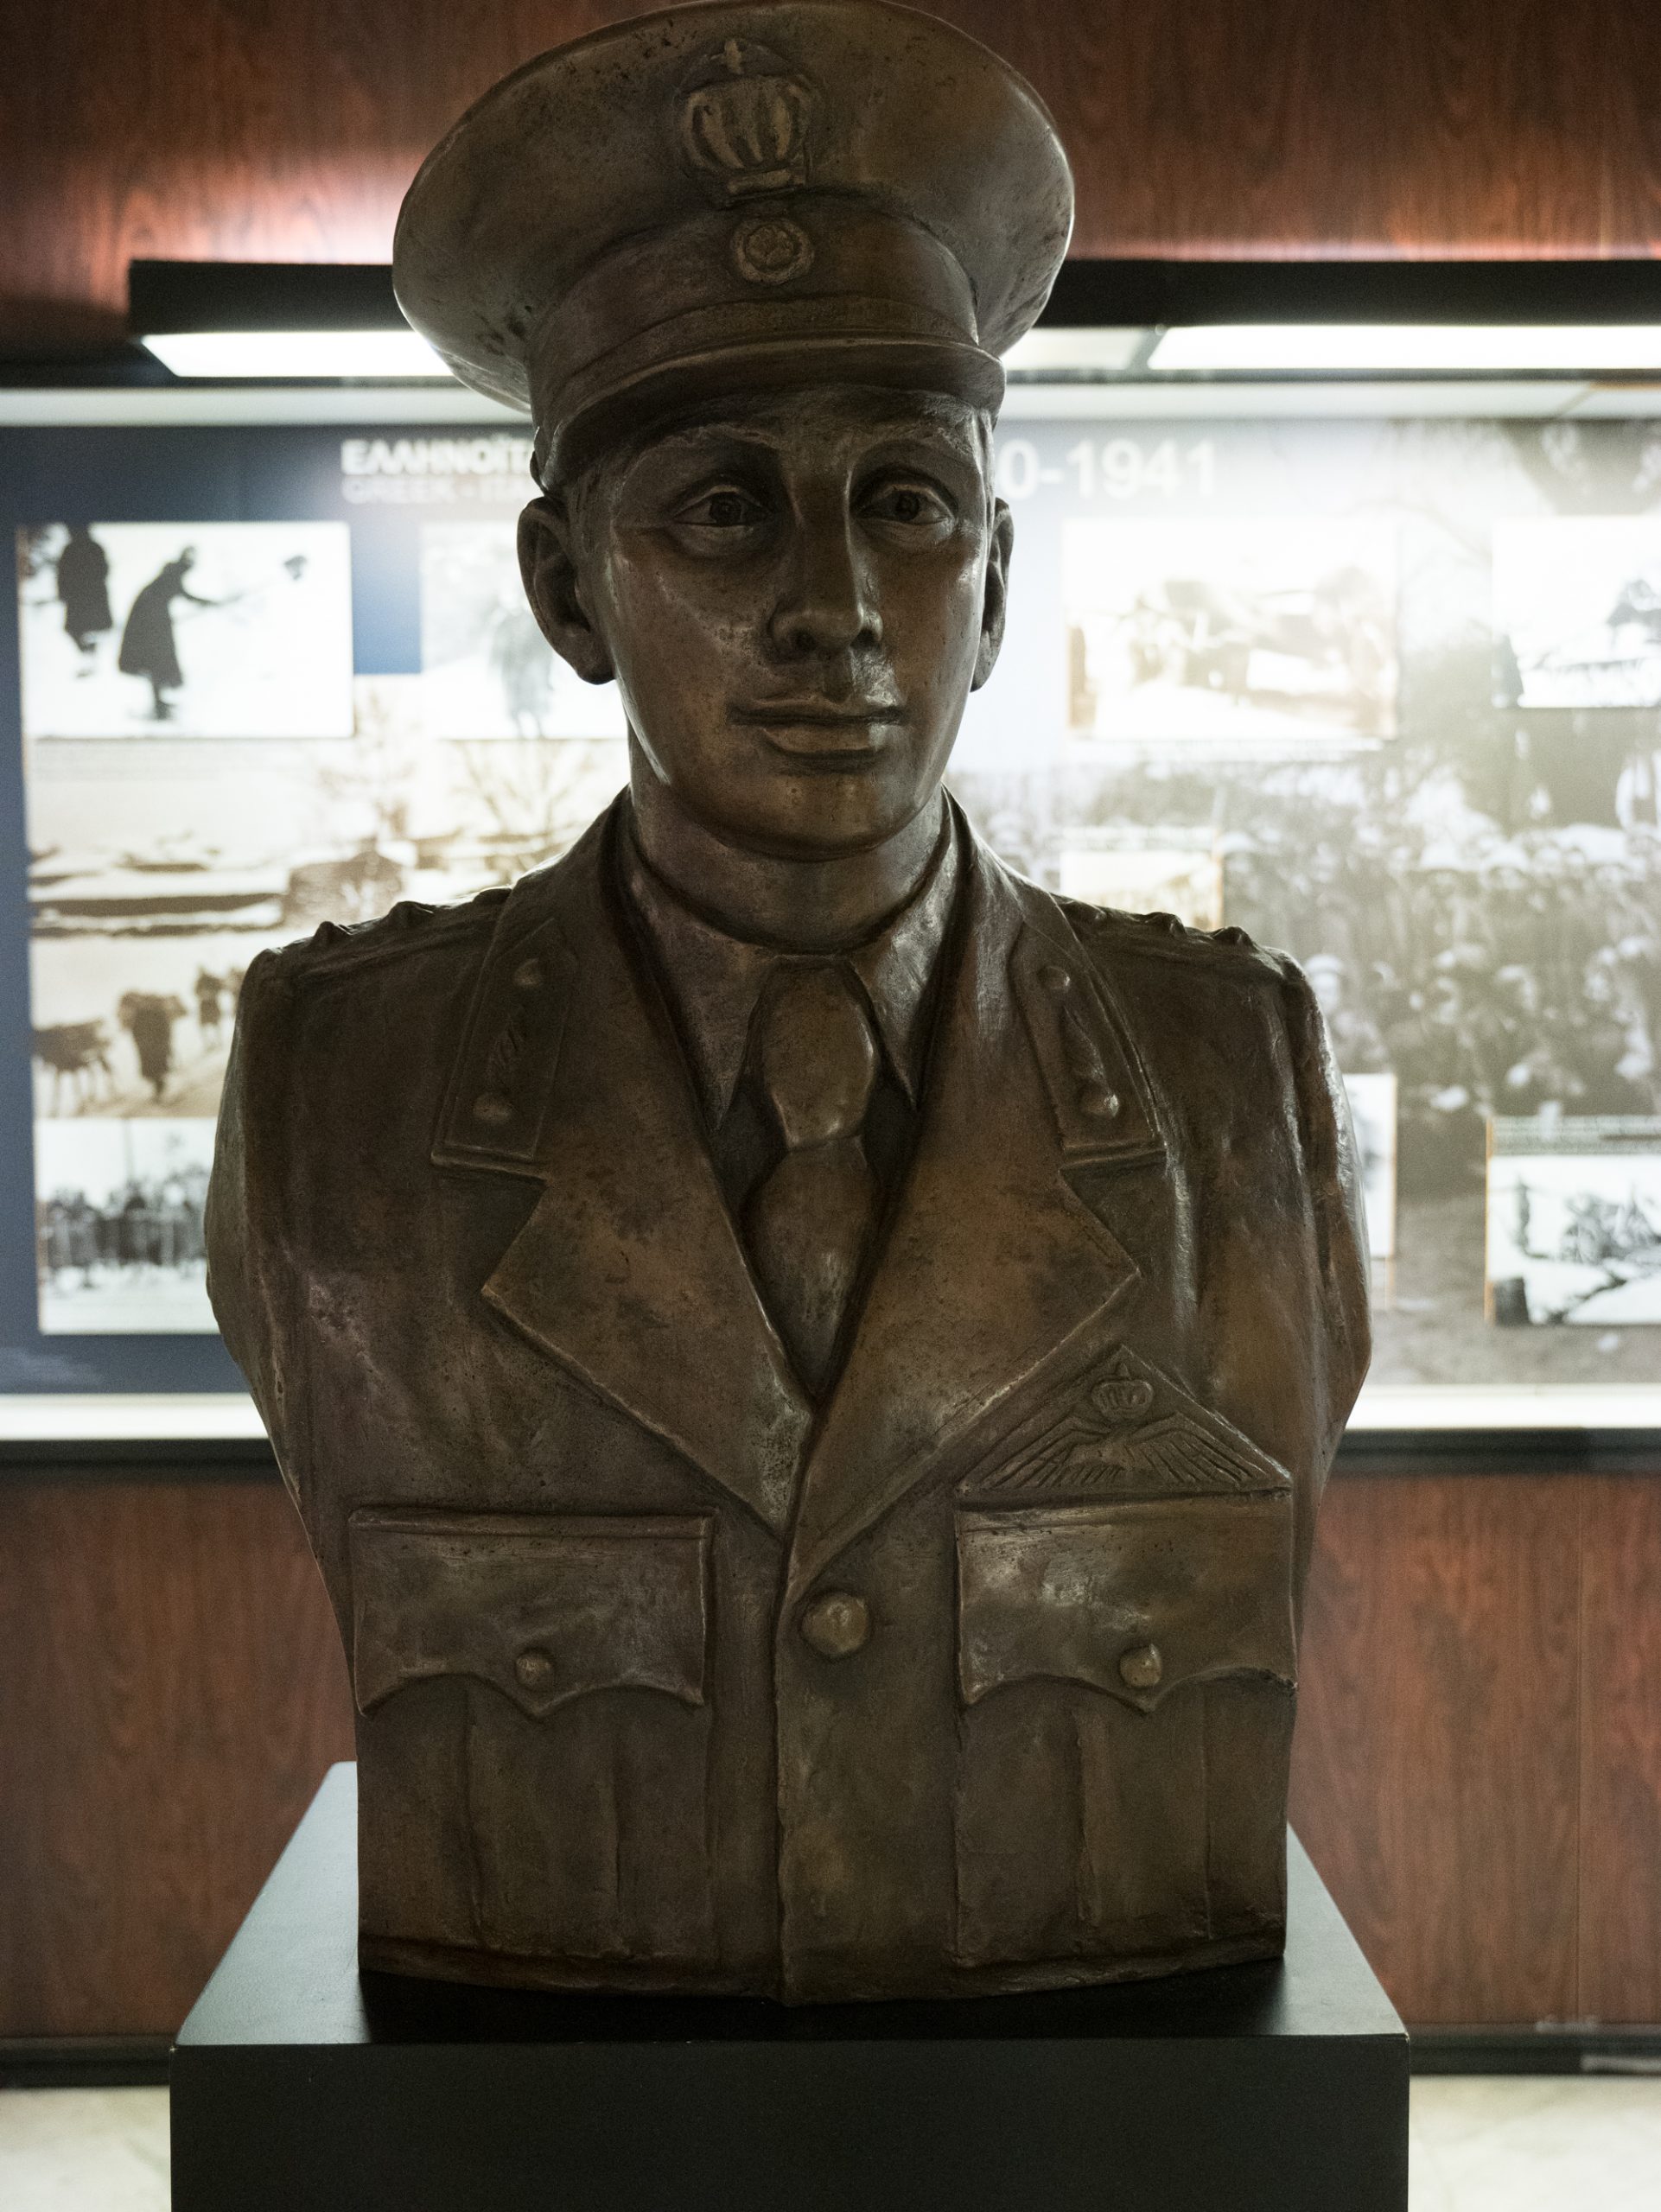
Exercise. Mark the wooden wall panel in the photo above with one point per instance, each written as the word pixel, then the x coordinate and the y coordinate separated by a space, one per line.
pixel 1437 1772
pixel 171 1691
pixel 288 128
pixel 1620 1750
pixel 1485 1803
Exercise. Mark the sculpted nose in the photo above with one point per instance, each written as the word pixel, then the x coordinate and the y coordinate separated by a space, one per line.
pixel 828 605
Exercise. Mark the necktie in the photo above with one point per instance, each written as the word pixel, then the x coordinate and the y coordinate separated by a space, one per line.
pixel 808 1221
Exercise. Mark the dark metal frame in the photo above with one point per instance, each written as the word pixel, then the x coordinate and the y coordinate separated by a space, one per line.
pixel 1132 295
pixel 172 295
pixel 1108 294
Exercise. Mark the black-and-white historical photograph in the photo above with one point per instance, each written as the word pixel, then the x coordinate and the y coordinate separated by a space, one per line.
pixel 232 630
pixel 1574 1222
pixel 488 671
pixel 119 1227
pixel 1577 611
pixel 155 879
pixel 1477 901
pixel 1202 630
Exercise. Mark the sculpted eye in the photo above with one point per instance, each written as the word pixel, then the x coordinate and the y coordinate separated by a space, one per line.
pixel 914 504
pixel 722 508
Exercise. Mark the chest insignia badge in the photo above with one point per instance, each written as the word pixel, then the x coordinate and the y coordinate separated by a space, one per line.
pixel 1129 1431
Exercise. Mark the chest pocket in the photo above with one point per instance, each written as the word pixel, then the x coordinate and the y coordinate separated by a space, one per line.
pixel 533 1690
pixel 1136 1600
pixel 544 1609
pixel 1126 1672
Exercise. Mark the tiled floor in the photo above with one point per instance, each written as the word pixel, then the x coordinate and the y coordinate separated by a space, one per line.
pixel 1537 2143
pixel 83 2149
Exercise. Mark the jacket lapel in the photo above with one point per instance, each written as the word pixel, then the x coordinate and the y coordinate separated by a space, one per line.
pixel 628 1271
pixel 997 1274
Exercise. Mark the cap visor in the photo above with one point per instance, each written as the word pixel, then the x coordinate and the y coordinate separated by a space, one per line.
pixel 957 370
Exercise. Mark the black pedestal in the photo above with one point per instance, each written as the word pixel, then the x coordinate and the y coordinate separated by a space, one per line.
pixel 299 2087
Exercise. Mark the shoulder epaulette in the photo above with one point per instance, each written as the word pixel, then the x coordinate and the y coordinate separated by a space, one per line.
pixel 341 948
pixel 1164 936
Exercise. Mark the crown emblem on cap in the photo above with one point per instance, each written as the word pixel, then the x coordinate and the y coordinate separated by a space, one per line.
pixel 744 121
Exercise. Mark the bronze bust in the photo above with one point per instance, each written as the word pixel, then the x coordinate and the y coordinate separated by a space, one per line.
pixel 808 1362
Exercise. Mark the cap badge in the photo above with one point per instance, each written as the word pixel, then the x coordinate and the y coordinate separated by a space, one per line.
pixel 744 123
pixel 771 250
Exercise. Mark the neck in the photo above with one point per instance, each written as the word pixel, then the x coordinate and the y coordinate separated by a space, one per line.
pixel 796 906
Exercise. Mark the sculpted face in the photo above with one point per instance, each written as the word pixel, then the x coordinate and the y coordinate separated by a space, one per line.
pixel 796 594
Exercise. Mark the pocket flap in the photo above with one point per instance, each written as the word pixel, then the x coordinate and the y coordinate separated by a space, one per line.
pixel 1132 1599
pixel 542 1607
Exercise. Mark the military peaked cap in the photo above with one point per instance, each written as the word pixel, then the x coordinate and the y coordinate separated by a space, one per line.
pixel 723 196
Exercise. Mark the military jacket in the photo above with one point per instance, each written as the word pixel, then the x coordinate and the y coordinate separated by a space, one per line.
pixel 979 1676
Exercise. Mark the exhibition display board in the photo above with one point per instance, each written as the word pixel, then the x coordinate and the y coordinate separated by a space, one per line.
pixel 1385 693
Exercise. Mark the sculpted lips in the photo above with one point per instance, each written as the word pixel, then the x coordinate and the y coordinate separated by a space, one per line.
pixel 820 730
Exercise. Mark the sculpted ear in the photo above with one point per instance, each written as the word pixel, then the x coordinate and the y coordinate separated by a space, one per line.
pixel 548 567
pixel 997 601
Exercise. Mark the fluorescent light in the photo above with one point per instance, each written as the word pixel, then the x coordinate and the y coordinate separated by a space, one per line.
pixel 1428 348
pixel 281 356
pixel 1056 351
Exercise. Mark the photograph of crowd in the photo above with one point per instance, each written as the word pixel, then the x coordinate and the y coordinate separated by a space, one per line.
pixel 488 671
pixel 1577 611
pixel 218 630
pixel 1476 899
pixel 1179 631
pixel 119 1227
pixel 1574 1222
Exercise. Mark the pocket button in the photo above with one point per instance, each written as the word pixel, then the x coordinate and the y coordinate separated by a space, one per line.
pixel 837 1625
pixel 534 1668
pixel 1139 1669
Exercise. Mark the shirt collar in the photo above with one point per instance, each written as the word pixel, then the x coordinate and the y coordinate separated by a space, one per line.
pixel 713 980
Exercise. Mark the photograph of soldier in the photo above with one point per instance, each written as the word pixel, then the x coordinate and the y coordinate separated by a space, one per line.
pixel 150 647
pixel 118 1226
pixel 210 1000
pixel 488 671
pixel 83 577
pixel 1574 1222
pixel 138 1041
pixel 148 1017
pixel 1230 629
pixel 228 630
pixel 1577 611
pixel 1372 1115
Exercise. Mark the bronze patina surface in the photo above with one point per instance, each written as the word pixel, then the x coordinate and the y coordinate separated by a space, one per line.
pixel 807 1361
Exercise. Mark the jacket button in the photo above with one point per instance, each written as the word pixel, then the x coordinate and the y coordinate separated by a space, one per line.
pixel 1099 1102
pixel 534 1668
pixel 1140 1669
pixel 836 1624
